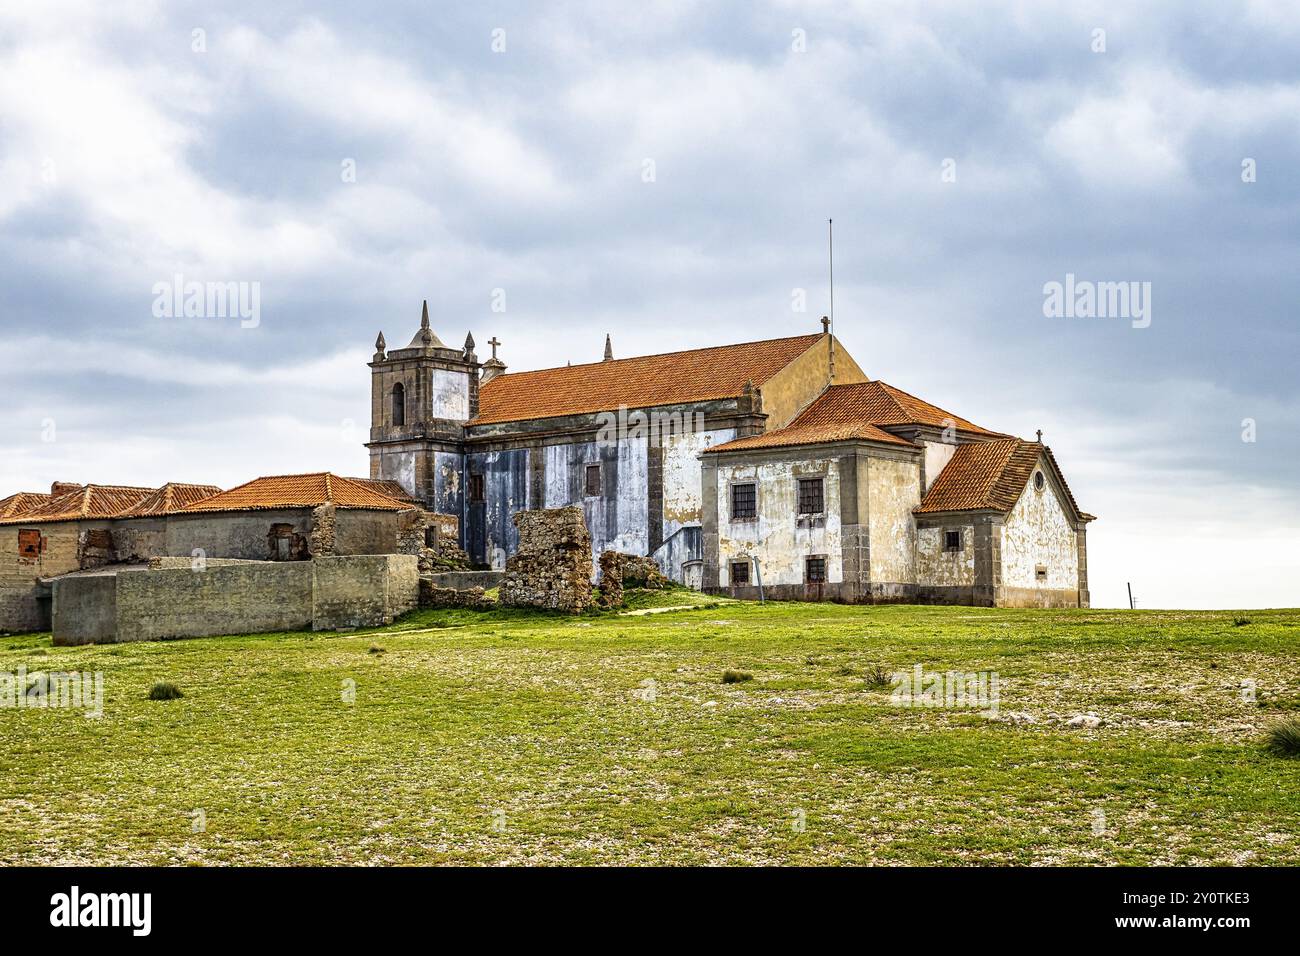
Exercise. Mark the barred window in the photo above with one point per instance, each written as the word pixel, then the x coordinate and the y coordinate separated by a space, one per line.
pixel 952 541
pixel 744 501
pixel 475 487
pixel 811 499
pixel 814 571
pixel 739 572
pixel 593 481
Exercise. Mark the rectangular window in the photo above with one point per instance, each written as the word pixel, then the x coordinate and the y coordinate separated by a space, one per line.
pixel 952 541
pixel 1040 573
pixel 739 572
pixel 744 501
pixel 593 481
pixel 475 487
pixel 29 543
pixel 811 500
pixel 814 571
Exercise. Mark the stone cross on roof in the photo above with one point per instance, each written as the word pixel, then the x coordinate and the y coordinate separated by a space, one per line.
pixel 494 343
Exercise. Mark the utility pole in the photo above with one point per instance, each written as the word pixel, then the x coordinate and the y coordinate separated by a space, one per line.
pixel 1130 596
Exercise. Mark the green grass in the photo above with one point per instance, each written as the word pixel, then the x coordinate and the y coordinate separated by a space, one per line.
pixel 506 736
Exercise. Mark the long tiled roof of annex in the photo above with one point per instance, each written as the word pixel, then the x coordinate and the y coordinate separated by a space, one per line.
pixel 989 476
pixel 298 491
pixel 71 502
pixel 644 381
pixel 858 411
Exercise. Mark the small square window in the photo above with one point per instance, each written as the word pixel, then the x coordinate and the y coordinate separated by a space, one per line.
pixel 476 488
pixel 811 499
pixel 952 541
pixel 739 572
pixel 814 571
pixel 593 481
pixel 1040 573
pixel 29 543
pixel 744 501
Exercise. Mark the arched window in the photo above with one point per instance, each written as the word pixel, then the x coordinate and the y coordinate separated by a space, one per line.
pixel 399 404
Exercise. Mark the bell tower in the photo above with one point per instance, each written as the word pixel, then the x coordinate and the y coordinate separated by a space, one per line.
pixel 421 396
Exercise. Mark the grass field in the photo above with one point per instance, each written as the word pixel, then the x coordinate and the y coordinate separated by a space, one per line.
pixel 509 737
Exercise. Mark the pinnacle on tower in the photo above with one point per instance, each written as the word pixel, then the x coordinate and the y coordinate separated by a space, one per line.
pixel 609 349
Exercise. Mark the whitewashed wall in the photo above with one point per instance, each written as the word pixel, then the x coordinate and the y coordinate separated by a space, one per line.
pixel 779 539
pixel 449 392
pixel 1038 531
pixel 936 567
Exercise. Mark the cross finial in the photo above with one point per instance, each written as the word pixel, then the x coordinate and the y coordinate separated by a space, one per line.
pixel 1040 436
pixel 826 324
pixel 494 343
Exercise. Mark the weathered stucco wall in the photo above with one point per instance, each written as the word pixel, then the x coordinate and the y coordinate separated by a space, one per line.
pixel 937 456
pixel 491 533
pixel 449 394
pixel 779 538
pixel 619 517
pixel 1037 533
pixel 894 489
pixel 793 389
pixel 681 476
pixel 448 484
pixel 936 567
pixel 396 464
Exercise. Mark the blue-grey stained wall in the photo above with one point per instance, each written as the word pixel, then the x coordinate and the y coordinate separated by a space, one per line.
pixel 618 518
pixel 449 484
pixel 492 535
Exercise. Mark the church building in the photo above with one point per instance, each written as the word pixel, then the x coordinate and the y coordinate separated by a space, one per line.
pixel 775 468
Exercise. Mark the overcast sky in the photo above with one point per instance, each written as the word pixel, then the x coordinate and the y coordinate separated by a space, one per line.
pixel 665 174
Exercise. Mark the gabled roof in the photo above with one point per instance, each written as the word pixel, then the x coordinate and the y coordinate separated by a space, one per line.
pixel 644 381
pixel 882 404
pixel 859 411
pixel 990 475
pixel 15 506
pixel 297 491
pixel 171 497
pixel 84 501
pixel 386 486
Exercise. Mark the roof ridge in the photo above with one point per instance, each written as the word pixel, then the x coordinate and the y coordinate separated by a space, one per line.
pixel 633 358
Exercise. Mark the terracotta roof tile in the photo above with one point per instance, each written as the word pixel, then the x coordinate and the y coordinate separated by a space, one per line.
pixel 860 411
pixel 642 382
pixel 15 506
pixel 85 501
pixel 989 475
pixel 297 491
pixel 386 486
pixel 170 498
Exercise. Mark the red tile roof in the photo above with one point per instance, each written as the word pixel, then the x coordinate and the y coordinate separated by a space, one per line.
pixel 171 497
pixel 298 491
pixel 386 486
pixel 642 382
pixel 990 475
pixel 859 411
pixel 85 502
pixel 15 506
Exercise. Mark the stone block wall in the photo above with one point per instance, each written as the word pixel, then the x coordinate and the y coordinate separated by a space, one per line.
pixel 552 568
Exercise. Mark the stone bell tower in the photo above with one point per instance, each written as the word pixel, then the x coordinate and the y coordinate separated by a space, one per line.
pixel 420 398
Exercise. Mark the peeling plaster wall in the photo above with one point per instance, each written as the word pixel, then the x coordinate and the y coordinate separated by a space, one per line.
pixel 894 489
pixel 448 483
pixel 779 538
pixel 1038 531
pixel 492 535
pixel 449 392
pixel 936 567
pixel 937 456
pixel 619 517
pixel 396 466
pixel 682 476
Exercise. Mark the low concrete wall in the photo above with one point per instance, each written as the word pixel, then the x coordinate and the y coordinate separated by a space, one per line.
pixel 463 580
pixel 235 598
pixel 85 609
pixel 21 609
pixel 363 590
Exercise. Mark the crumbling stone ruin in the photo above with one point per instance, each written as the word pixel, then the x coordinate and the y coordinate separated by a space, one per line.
pixel 642 572
pixel 619 571
pixel 433 538
pixel 433 595
pixel 552 568
pixel 321 538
